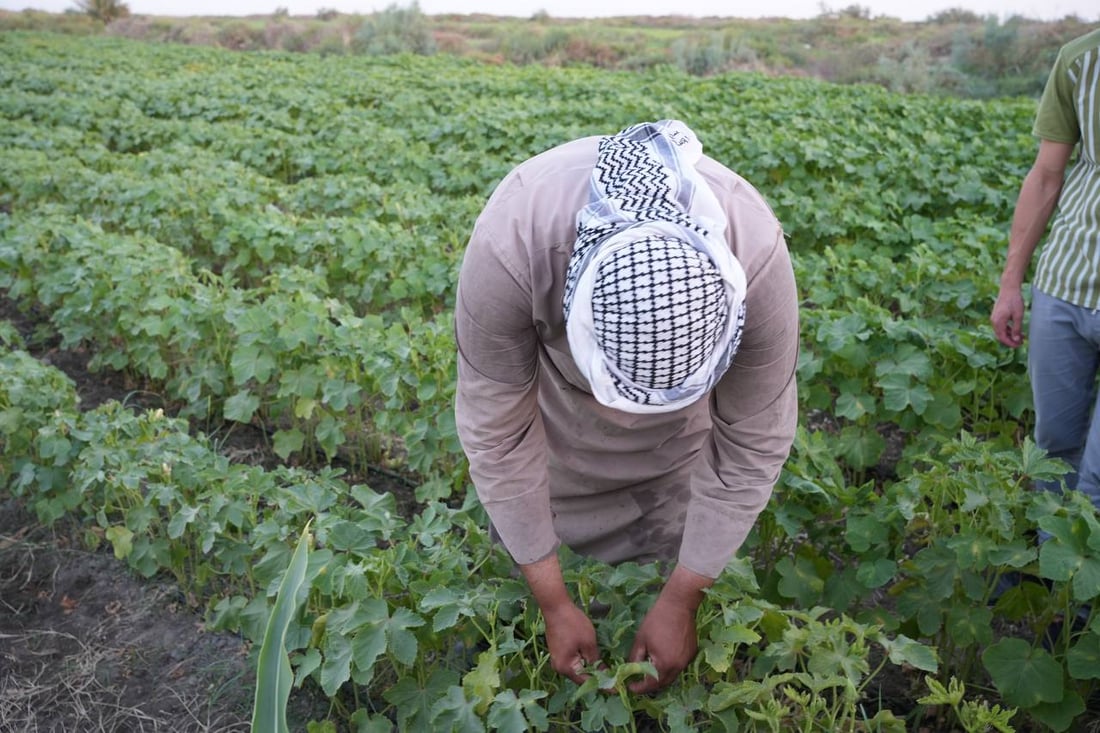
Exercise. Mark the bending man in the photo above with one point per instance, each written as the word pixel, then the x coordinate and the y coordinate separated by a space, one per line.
pixel 627 326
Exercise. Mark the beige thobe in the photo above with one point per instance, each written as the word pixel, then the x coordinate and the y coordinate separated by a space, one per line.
pixel 552 465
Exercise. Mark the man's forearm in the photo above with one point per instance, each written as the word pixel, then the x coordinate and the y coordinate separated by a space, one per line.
pixel 686 588
pixel 546 582
pixel 1035 205
pixel 1034 208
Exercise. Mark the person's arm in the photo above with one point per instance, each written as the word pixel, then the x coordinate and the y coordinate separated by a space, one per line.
pixel 501 431
pixel 1034 207
pixel 496 397
pixel 754 413
pixel 667 636
pixel 570 635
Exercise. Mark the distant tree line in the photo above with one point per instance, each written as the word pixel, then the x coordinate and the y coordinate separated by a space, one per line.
pixel 955 52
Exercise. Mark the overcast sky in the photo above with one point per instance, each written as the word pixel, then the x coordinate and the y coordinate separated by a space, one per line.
pixel 904 9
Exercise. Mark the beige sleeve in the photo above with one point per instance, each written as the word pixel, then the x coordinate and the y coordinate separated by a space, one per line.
pixel 754 409
pixel 496 407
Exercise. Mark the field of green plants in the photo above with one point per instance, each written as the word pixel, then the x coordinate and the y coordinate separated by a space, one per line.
pixel 273 239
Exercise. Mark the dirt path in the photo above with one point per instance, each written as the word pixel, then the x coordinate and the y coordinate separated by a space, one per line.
pixel 85 646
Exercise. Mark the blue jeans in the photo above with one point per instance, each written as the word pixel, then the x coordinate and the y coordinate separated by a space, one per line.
pixel 1063 359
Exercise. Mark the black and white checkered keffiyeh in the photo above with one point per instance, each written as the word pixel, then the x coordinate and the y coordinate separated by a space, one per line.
pixel 654 299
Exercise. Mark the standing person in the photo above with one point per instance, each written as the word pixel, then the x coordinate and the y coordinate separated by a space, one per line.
pixel 627 328
pixel 1064 328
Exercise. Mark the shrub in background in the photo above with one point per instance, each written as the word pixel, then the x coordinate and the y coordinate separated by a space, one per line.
pixel 103 10
pixel 395 30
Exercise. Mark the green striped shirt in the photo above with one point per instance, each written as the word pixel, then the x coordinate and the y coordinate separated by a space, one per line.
pixel 1069 112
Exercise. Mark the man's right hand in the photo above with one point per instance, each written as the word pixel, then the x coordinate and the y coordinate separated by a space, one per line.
pixel 570 635
pixel 571 639
pixel 1008 317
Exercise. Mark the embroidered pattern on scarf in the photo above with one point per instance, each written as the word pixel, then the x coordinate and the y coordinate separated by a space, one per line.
pixel 654 299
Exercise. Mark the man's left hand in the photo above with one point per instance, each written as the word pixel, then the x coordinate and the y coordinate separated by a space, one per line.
pixel 668 637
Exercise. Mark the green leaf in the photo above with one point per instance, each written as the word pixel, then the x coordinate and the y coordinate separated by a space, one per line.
pixel 855 406
pixel 603 712
pixel 798 580
pixel 251 362
pixel 330 435
pixel 454 713
pixel 11 419
pixel 241 406
pixel 1036 463
pixel 364 722
pixel 402 643
pixel 908 360
pixel 1015 554
pixel 511 714
pixel 308 663
pixel 899 392
pixel 482 682
pixel 350 537
pixel 903 650
pixel 940 695
pixel 861 446
pixel 414 703
pixel 876 573
pixel 735 694
pixel 970 625
pixel 368 643
pixel 1060 716
pixel 336 670
pixel 304 407
pixel 865 531
pixel 287 442
pixel 273 673
pixel 300 329
pixel 1067 556
pixel 840 332
pixel 178 524
pixel 971 548
pixel 121 539
pixel 944 412
pixel 446 603
pixel 1083 660
pixel 721 645
pixel 1024 676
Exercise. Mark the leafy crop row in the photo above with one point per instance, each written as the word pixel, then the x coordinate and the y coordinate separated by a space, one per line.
pixel 273 239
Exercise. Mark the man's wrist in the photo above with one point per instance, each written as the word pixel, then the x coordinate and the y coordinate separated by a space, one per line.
pixel 685 588
pixel 547 585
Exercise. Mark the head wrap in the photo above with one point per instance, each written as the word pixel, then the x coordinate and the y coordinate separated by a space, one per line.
pixel 654 299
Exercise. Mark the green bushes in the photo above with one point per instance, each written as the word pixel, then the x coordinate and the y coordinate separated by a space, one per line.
pixel 104 11
pixel 395 30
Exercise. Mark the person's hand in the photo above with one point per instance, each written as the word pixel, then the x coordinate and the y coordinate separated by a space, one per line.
pixel 1008 317
pixel 571 639
pixel 668 639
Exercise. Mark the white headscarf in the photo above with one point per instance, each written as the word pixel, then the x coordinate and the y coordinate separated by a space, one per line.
pixel 654 299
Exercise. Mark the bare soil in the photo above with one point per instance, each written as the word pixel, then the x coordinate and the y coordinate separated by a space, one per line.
pixel 86 646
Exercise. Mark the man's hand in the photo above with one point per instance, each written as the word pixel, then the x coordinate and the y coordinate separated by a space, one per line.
pixel 570 635
pixel 667 636
pixel 1038 198
pixel 571 639
pixel 1008 317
